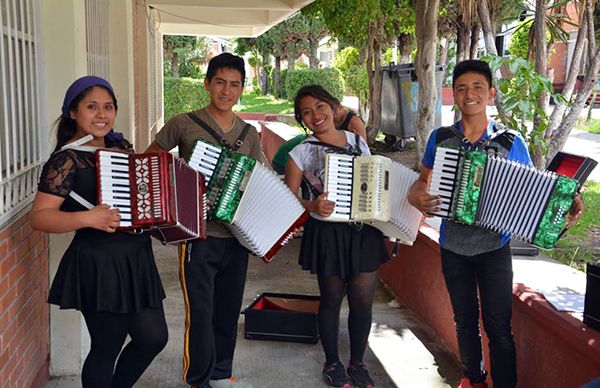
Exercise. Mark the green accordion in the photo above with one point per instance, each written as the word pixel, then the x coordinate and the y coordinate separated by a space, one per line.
pixel 501 195
pixel 248 198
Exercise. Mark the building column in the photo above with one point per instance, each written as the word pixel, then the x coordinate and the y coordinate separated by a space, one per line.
pixel 63 59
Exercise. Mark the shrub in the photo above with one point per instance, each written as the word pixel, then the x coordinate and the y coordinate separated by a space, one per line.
pixel 329 78
pixel 184 95
pixel 353 71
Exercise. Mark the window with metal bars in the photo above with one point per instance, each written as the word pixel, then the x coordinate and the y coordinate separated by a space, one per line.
pixel 20 129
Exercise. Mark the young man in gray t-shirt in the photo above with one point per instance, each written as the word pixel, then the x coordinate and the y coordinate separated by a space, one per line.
pixel 213 271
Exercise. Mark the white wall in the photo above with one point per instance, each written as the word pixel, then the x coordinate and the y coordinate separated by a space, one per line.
pixel 62 60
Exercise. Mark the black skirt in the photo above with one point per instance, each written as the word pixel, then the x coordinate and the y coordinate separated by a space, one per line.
pixel 102 272
pixel 341 249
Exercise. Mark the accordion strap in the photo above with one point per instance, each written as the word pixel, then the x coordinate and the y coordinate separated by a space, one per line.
pixel 483 143
pixel 219 138
pixel 338 149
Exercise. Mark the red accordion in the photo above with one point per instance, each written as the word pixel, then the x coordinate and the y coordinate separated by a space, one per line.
pixel 153 191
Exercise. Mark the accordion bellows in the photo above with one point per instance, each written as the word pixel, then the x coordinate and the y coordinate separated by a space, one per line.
pixel 250 200
pixel 501 195
pixel 372 190
pixel 153 191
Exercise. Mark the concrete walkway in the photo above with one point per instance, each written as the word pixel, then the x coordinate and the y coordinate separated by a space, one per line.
pixel 402 352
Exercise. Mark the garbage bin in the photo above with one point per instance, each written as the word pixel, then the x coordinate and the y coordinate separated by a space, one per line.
pixel 400 99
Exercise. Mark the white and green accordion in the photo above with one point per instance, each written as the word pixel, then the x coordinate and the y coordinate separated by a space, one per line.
pixel 248 198
pixel 477 188
pixel 372 190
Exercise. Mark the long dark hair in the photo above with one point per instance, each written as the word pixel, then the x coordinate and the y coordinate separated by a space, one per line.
pixel 315 91
pixel 66 126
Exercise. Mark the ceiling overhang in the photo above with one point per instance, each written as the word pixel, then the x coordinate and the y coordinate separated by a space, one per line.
pixel 226 18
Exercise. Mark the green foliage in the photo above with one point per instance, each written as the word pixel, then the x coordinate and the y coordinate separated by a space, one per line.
pixel 329 78
pixel 348 20
pixel 579 244
pixel 184 95
pixel 254 102
pixel 519 99
pixel 187 53
pixel 353 71
pixel 593 126
pixel 519 41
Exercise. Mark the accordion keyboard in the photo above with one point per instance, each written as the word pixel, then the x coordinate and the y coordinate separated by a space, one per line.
pixel 445 169
pixel 339 185
pixel 114 183
pixel 204 159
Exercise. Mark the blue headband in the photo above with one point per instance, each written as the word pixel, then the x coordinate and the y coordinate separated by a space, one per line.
pixel 79 86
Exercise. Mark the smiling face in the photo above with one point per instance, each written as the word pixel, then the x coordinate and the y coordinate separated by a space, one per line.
pixel 316 114
pixel 472 93
pixel 95 114
pixel 224 88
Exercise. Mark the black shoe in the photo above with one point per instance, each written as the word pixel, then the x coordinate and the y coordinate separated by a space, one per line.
pixel 360 375
pixel 335 375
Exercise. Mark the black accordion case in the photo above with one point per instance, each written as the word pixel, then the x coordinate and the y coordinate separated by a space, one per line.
pixel 282 317
pixel 573 166
pixel 591 310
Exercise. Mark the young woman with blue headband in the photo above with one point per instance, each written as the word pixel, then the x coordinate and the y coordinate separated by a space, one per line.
pixel 108 275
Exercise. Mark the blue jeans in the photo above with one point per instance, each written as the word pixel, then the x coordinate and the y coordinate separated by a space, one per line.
pixel 491 272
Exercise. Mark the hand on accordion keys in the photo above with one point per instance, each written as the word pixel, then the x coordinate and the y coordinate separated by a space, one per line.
pixel 424 202
pixel 321 206
pixel 103 217
pixel 575 212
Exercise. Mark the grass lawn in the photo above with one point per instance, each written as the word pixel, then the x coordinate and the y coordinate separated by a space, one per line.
pixel 578 244
pixel 593 126
pixel 252 102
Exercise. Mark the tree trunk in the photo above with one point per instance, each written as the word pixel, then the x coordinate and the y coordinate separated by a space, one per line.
pixel 426 32
pixel 490 46
pixel 291 60
pixel 277 77
pixel 474 42
pixel 444 46
pixel 375 76
pixel 175 64
pixel 573 72
pixel 313 59
pixel 561 134
pixel 462 40
pixel 264 77
pixel 541 67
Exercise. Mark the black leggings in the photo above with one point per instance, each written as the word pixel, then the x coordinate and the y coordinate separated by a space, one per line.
pixel 360 290
pixel 149 335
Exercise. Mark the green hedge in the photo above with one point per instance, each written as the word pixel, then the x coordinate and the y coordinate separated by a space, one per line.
pixel 328 78
pixel 184 95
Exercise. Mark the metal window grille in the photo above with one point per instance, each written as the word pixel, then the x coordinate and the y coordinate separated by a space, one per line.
pixel 96 20
pixel 20 130
pixel 153 78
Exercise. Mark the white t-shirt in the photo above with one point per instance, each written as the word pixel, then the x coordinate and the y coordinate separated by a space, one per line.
pixel 310 159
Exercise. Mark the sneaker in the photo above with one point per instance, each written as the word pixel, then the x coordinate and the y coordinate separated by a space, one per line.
pixel 466 383
pixel 335 375
pixel 231 382
pixel 360 375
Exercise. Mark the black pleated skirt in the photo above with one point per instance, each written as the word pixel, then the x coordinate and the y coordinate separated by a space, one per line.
pixel 341 249
pixel 102 272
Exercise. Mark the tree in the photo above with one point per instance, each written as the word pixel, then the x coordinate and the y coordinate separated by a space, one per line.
pixel 367 25
pixel 564 116
pixel 426 32
pixel 353 72
pixel 184 55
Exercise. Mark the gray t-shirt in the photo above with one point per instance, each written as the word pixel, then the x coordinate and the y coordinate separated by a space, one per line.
pixel 183 132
